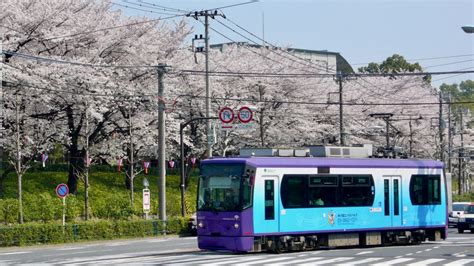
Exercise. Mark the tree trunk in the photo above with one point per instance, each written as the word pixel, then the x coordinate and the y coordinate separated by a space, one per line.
pixel 76 164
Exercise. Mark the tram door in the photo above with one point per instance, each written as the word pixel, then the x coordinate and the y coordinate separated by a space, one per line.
pixel 393 199
pixel 270 203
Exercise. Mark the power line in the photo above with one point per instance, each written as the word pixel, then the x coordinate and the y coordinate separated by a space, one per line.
pixel 254 35
pixel 420 59
pixel 271 50
pixel 140 9
pixel 248 74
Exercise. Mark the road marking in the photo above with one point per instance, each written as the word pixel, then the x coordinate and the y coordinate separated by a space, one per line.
pixel 116 244
pixel 14 253
pixel 391 262
pixel 425 262
pixel 460 262
pixel 430 249
pixel 307 260
pixel 364 252
pixel 409 254
pixel 265 261
pixel 333 260
pixel 235 260
pixel 364 261
pixel 418 252
pixel 70 248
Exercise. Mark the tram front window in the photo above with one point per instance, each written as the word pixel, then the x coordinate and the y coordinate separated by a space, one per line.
pixel 219 187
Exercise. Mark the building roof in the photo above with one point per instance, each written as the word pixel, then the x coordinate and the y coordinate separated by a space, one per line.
pixel 341 63
pixel 311 162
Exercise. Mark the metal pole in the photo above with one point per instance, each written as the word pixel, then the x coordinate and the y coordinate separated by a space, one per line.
pixel 411 138
pixel 450 140
pixel 181 144
pixel 387 137
pixel 208 97
pixel 341 112
pixel 461 154
pixel 161 147
pixel 440 128
pixel 132 171
pixel 18 160
pixel 86 178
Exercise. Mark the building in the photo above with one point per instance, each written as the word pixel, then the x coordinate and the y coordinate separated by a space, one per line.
pixel 331 61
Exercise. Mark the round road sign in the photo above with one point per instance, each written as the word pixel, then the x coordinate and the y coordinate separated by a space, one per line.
pixel 62 190
pixel 226 115
pixel 245 114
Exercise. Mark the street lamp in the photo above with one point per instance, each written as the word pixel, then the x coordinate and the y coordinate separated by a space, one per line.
pixel 468 29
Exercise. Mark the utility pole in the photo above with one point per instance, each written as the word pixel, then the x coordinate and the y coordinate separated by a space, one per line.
pixel 18 167
pixel 386 118
pixel 411 138
pixel 460 155
pixel 450 137
pixel 206 14
pixel 161 146
pixel 132 162
pixel 441 127
pixel 341 112
pixel 87 162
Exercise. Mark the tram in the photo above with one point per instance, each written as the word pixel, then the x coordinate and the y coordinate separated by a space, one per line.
pixel 276 204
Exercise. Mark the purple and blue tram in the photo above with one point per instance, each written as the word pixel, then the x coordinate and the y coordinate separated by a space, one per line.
pixel 284 204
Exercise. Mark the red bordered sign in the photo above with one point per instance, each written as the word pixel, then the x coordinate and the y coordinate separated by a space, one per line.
pixel 245 114
pixel 62 190
pixel 226 115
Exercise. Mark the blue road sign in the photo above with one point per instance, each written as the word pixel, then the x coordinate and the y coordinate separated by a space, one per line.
pixel 62 190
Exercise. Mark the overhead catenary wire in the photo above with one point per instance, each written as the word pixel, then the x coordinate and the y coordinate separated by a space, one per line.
pixel 269 44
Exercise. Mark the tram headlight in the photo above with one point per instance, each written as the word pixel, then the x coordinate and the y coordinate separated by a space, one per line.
pixel 462 220
pixel 200 225
pixel 236 226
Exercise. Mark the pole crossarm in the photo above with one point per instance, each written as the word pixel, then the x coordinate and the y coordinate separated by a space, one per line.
pixel 181 144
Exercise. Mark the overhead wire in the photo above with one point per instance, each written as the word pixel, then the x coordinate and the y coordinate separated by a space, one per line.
pixel 273 46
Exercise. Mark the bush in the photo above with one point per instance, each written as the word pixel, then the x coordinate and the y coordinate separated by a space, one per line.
pixel 9 209
pixel 35 233
pixel 42 207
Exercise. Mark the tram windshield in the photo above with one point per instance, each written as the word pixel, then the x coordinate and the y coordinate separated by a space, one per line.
pixel 220 187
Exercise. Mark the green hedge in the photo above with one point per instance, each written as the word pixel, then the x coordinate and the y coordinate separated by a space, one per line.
pixel 49 233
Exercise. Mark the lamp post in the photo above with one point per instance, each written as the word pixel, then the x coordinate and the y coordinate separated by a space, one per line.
pixel 468 29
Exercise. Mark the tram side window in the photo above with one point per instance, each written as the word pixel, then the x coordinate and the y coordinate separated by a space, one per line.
pixel 425 189
pixel 357 190
pixel 293 191
pixel 322 191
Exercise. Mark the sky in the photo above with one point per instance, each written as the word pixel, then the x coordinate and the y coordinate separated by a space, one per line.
pixel 362 31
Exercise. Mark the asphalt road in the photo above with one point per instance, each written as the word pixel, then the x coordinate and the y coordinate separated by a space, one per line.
pixel 458 249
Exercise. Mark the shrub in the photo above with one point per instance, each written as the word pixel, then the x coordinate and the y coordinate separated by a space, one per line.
pixel 9 209
pixel 35 233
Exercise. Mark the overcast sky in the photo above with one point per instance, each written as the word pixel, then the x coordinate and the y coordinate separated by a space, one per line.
pixel 361 31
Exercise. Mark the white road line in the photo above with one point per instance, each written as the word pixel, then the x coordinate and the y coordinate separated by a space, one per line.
pixel 116 244
pixel 364 261
pixel 364 252
pixel 234 260
pixel 332 260
pixel 265 261
pixel 409 254
pixel 425 262
pixel 430 249
pixel 418 252
pixel 391 262
pixel 460 262
pixel 307 260
pixel 70 248
pixel 14 253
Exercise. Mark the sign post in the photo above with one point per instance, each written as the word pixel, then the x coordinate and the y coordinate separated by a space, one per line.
pixel 62 190
pixel 146 202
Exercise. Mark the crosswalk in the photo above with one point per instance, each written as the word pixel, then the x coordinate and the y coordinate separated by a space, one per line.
pixel 259 259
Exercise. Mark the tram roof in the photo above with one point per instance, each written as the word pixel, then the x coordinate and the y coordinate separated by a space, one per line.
pixel 287 162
